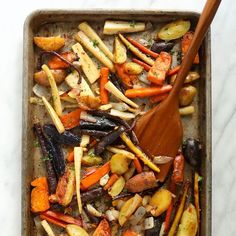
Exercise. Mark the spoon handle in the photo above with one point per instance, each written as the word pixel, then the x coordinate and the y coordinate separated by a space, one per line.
pixel 203 25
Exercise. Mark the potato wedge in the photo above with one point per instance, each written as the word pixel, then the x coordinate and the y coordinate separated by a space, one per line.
pixel 88 67
pixel 117 187
pixel 120 52
pixel 129 208
pixel 115 27
pixel 186 111
pixel 75 230
pixel 49 43
pixel 41 77
pixel 133 68
pixel 188 225
pixel 192 76
pixel 119 164
pixel 174 30
pixel 160 201
pixel 186 95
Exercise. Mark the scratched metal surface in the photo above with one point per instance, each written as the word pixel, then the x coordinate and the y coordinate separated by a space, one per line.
pixel 59 22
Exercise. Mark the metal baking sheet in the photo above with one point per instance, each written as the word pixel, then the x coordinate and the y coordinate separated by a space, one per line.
pixel 54 22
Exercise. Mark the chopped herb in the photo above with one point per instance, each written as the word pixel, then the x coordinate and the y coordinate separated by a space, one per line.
pixel 200 178
pixel 36 143
pixel 91 153
pixel 95 43
pixel 46 158
pixel 132 23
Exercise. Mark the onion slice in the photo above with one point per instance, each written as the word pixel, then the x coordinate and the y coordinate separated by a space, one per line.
pixel 162 159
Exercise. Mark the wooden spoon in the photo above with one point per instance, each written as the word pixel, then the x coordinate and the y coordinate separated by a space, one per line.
pixel 160 130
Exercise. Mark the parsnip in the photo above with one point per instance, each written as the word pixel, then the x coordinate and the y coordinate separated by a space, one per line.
pixel 88 67
pixel 94 49
pixel 86 28
pixel 120 55
pixel 47 228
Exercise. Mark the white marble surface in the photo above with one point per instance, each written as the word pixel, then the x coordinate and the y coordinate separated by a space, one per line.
pixel 12 18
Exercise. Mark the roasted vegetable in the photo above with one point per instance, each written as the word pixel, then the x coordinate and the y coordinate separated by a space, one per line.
pixel 178 169
pixel 196 195
pixel 66 187
pixel 162 46
pixel 119 164
pixel 104 96
pixel 117 187
pixel 101 123
pixel 51 176
pixel 71 119
pixel 66 138
pixel 103 229
pixel 192 151
pixel 41 78
pixel 154 231
pixel 116 81
pixel 49 43
pixel 120 55
pixel 91 160
pixel 188 225
pixel 141 182
pixel 57 157
pixel 192 76
pixel 186 95
pixel 160 201
pixel 174 30
pixel 115 27
pixel 133 68
pixel 75 230
pixel 94 133
pixel 92 194
pixel 39 195
pixel 123 152
pixel 107 140
pixel 186 111
pixel 129 208
pixel 47 228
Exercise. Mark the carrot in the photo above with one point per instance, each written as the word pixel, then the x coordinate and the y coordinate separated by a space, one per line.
pixel 71 120
pixel 142 48
pixel 158 98
pixel 147 92
pixel 137 165
pixel 103 229
pixel 95 177
pixel 178 171
pixel 39 195
pixel 52 220
pixel 125 78
pixel 158 71
pixel 141 63
pixel 129 233
pixel 186 41
pixel 89 171
pixel 104 79
pixel 111 181
pixel 173 71
pixel 70 156
pixel 62 217
pixel 56 63
pixel 168 215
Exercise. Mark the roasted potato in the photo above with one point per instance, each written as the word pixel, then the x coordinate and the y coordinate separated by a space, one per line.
pixel 41 78
pixel 186 111
pixel 91 160
pixel 49 43
pixel 186 95
pixel 117 187
pixel 129 208
pixel 75 230
pixel 188 225
pixel 160 201
pixel 119 164
pixel 192 76
pixel 133 68
pixel 120 55
pixel 174 30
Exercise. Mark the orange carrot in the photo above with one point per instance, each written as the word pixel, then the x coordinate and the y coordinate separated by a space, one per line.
pixel 104 79
pixel 70 156
pixel 129 233
pixel 111 181
pixel 141 63
pixel 142 48
pixel 147 92
pixel 56 63
pixel 125 78
pixel 173 71
pixel 137 165
pixel 52 220
pixel 158 98
pixel 95 177
pixel 39 195
pixel 71 120
pixel 103 229
pixel 89 171
pixel 158 71
pixel 186 41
